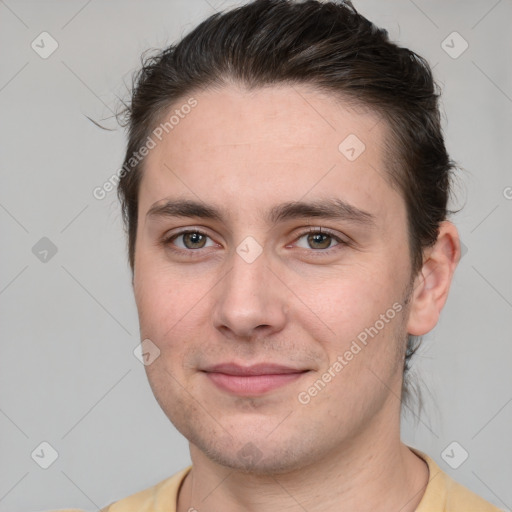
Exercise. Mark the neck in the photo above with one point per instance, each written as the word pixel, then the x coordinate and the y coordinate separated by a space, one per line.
pixel 371 473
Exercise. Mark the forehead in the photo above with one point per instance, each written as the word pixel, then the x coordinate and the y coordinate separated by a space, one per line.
pixel 268 145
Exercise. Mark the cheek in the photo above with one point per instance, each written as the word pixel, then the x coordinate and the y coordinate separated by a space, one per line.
pixel 174 312
pixel 158 306
pixel 161 293
pixel 363 356
pixel 365 314
pixel 164 307
pixel 349 300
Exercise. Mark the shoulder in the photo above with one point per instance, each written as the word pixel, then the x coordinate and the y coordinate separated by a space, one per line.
pixel 444 494
pixel 158 498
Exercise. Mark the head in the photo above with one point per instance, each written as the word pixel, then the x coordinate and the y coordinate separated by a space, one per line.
pixel 290 207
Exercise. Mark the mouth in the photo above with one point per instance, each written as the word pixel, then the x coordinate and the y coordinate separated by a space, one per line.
pixel 252 380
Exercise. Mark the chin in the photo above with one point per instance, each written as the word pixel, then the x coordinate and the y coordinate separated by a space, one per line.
pixel 258 456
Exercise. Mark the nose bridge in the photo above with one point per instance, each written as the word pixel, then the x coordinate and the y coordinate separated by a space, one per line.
pixel 249 296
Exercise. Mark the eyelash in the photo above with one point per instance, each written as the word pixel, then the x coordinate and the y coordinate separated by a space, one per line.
pixel 167 241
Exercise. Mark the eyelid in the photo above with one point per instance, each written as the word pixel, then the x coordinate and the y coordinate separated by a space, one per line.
pixel 166 240
pixel 324 231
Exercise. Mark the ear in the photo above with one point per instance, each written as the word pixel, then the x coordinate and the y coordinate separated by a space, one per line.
pixel 432 282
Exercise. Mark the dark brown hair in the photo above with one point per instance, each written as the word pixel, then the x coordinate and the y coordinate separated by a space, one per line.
pixel 331 47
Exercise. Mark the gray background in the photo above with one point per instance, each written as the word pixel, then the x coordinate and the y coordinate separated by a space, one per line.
pixel 69 325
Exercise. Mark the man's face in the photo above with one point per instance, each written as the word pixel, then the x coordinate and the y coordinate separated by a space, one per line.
pixel 254 287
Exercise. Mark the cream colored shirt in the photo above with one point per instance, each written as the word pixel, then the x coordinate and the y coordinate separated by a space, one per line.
pixel 442 494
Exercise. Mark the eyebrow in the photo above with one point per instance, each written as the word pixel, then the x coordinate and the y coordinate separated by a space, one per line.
pixel 334 208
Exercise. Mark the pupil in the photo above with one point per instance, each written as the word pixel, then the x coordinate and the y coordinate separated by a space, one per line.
pixel 194 239
pixel 320 238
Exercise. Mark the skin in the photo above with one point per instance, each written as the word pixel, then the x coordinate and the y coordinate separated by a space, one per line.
pixel 296 304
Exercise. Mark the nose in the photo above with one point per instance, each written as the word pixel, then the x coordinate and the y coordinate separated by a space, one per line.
pixel 250 301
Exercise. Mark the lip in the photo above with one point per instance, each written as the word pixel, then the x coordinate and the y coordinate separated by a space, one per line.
pixel 252 380
pixel 255 369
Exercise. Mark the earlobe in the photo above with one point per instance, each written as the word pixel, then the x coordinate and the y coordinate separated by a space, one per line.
pixel 433 281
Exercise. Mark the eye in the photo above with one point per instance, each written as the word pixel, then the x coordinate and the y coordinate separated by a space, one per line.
pixel 317 239
pixel 190 240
